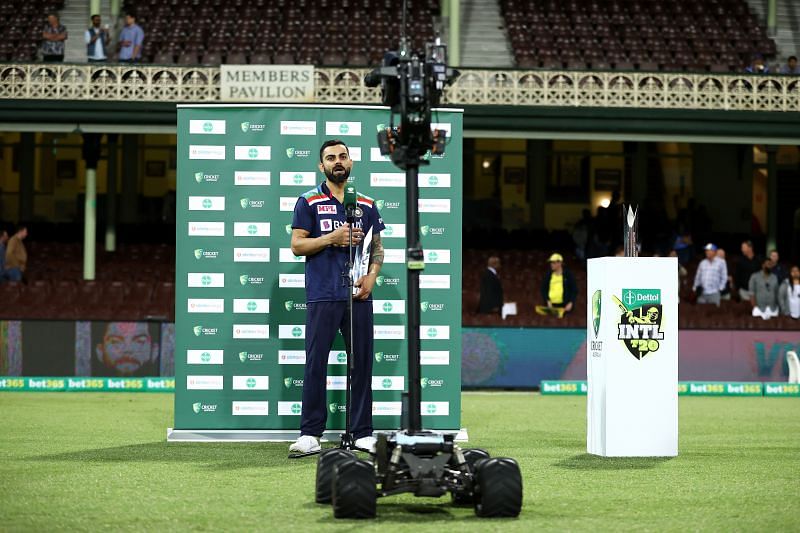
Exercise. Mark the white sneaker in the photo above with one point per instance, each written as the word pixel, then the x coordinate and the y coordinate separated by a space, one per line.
pixel 305 444
pixel 366 443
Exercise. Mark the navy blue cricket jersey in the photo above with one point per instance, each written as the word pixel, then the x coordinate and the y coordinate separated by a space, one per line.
pixel 319 212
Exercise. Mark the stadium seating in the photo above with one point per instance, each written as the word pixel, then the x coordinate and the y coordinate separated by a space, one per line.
pixel 280 32
pixel 670 35
pixel 21 24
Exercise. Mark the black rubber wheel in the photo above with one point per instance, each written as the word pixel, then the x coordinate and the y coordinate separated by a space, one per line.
pixel 471 456
pixel 498 487
pixel 354 493
pixel 328 459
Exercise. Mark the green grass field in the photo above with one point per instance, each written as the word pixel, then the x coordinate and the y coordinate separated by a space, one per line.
pixel 93 461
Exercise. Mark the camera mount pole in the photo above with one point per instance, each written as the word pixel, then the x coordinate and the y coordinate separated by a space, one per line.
pixel 415 264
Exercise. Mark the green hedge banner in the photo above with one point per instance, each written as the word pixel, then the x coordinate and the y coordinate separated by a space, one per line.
pixel 240 298
pixel 690 388
pixel 68 384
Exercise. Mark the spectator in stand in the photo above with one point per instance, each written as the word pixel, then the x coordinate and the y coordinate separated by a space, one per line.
pixel 748 264
pixel 54 35
pixel 130 40
pixel 582 233
pixel 791 66
pixel 97 39
pixel 757 66
pixel 3 241
pixel 16 255
pixel 776 267
pixel 491 301
pixel 763 290
pixel 789 294
pixel 683 247
pixel 558 286
pixel 682 272
pixel 710 277
pixel 725 294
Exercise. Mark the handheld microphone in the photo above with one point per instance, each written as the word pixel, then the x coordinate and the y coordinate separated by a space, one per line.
pixel 350 201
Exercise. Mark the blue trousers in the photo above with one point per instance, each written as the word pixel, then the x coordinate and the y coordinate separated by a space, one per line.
pixel 323 321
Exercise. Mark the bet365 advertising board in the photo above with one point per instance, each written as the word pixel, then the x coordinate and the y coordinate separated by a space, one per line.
pixel 240 293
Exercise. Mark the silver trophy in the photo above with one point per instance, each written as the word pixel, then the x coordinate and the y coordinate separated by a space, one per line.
pixel 630 230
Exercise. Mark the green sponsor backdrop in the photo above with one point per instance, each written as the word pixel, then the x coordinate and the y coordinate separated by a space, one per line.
pixel 240 299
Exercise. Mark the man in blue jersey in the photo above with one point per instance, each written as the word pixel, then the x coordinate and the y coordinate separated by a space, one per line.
pixel 320 232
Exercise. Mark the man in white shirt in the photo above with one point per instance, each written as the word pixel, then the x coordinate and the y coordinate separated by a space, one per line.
pixel 712 274
pixel 97 39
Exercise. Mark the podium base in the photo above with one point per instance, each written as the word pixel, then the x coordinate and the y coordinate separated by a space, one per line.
pixel 270 435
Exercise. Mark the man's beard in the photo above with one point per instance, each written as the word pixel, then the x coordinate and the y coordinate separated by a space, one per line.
pixel 341 178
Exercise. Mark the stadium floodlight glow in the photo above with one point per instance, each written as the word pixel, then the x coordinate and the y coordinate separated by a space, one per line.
pixel 425 463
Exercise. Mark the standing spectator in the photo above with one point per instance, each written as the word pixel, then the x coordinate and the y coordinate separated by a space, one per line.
pixel 776 267
pixel 764 292
pixel 710 277
pixel 789 294
pixel 582 233
pixel 491 301
pixel 130 40
pixel 3 241
pixel 748 264
pixel 725 294
pixel 558 285
pixel 16 255
pixel 97 39
pixel 54 35
pixel 757 66
pixel 791 66
pixel 682 272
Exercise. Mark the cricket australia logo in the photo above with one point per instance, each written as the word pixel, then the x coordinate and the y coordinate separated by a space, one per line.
pixel 640 320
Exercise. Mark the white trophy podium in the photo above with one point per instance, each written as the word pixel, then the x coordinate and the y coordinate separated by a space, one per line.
pixel 632 357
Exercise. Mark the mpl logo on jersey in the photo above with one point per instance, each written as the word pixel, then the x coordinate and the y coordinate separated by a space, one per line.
pixel 291 357
pixel 251 229
pixel 251 255
pixel 202 177
pixel 205 253
pixel 292 152
pixel 250 357
pixel 336 383
pixel 204 382
pixel 290 408
pixel 437 257
pixel 292 281
pixel 204 331
pixel 431 383
pixel 375 155
pixel 200 407
pixel 287 256
pixel 434 180
pixel 639 326
pixel 251 331
pixel 388 383
pixel 251 305
pixel 247 279
pixel 206 279
pixel 291 331
pixel 386 357
pixel 287 203
pixel 206 203
pixel 303 179
pixel 386 408
pixel 431 307
pixel 250 382
pixel 336 357
pixel 251 127
pixel 204 357
pixel 432 231
pixel 394 255
pixel 241 408
pixel 380 281
pixel 389 307
pixel 251 178
pixel 434 332
pixel 249 203
pixel 207 127
pixel 205 305
pixel 435 408
pixel 433 205
pixel 252 153
pixel 206 229
pixel 394 231
pixel 389 332
pixel 434 281
pixel 434 357
pixel 291 305
pixel 298 127
pixel 206 151
pixel 387 179
pixel 342 128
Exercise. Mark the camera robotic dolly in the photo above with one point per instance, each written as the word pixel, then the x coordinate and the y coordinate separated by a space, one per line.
pixel 424 463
